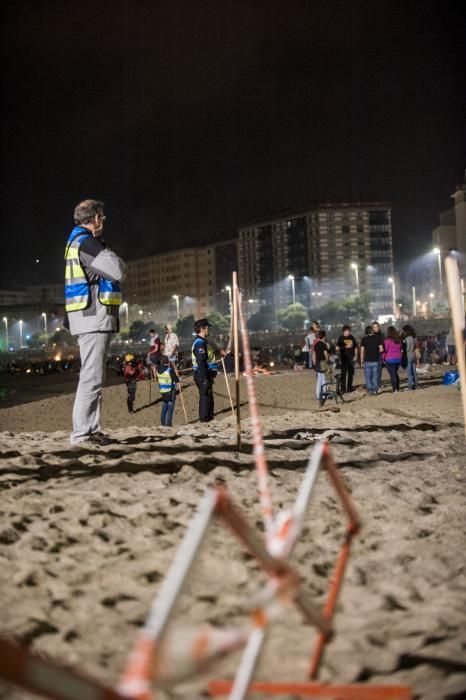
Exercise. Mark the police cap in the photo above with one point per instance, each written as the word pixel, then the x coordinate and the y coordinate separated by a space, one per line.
pixel 200 323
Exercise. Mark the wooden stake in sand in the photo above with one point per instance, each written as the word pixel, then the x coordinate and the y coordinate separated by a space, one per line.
pixel 235 341
pixel 457 315
pixel 228 386
pixel 182 402
pixel 259 449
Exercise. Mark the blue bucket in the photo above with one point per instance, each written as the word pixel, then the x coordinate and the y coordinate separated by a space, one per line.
pixel 450 377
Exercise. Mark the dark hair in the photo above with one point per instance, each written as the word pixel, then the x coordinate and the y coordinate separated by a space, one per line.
pixel 322 335
pixel 345 328
pixel 152 330
pixel 409 330
pixel 369 330
pixel 393 334
pixel 85 211
pixel 376 323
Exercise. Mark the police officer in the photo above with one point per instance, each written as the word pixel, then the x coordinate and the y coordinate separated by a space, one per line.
pixel 205 370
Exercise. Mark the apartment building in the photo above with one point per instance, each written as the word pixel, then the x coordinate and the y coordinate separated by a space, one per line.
pixel 172 284
pixel 318 254
pixel 451 233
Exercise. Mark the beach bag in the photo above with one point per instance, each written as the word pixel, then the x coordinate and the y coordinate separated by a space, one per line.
pixel 450 377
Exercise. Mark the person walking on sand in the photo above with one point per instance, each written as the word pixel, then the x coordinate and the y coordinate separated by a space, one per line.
pixel 371 351
pixel 392 356
pixel 92 299
pixel 347 349
pixel 412 356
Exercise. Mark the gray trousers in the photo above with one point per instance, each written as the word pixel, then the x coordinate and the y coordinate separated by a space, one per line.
pixel 87 404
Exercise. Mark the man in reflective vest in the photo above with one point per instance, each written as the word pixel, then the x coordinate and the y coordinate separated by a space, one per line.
pixel 205 370
pixel 92 300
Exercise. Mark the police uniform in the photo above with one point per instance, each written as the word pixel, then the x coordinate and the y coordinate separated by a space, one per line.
pixel 205 370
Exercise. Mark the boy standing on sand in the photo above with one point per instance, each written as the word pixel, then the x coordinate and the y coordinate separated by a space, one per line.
pixel 169 386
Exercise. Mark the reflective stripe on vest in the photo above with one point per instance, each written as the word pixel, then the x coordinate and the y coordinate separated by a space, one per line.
pixel 210 356
pixel 109 293
pixel 77 290
pixel 165 381
pixel 77 287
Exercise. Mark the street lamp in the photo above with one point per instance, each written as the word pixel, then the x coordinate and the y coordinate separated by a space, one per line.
pixel 20 334
pixel 291 277
pixel 392 282
pixel 176 297
pixel 5 321
pixel 413 289
pixel 126 310
pixel 44 316
pixel 431 296
pixel 355 267
pixel 436 251
pixel 140 312
pixel 228 289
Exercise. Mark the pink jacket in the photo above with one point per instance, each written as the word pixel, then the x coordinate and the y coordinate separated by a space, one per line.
pixel 392 350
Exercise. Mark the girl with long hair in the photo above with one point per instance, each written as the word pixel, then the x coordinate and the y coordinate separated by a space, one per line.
pixel 392 356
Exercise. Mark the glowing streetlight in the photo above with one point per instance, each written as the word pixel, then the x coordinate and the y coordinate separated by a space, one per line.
pixel 291 278
pixel 140 312
pixel 176 297
pixel 436 251
pixel 124 306
pixel 355 267
pixel 392 282
pixel 5 321
pixel 431 297
pixel 228 289
pixel 20 334
pixel 44 316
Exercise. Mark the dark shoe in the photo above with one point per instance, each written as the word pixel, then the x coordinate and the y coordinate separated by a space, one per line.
pixel 100 439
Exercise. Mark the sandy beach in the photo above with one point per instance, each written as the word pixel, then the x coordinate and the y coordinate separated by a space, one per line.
pixel 87 534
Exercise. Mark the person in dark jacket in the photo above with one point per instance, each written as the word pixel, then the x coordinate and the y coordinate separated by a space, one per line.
pixel 347 349
pixel 205 369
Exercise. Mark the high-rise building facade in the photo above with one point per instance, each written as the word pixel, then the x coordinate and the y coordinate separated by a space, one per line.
pixel 325 252
pixel 451 234
pixel 162 284
pixel 183 282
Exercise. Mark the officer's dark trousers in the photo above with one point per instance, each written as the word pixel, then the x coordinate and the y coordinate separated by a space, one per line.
pixel 206 398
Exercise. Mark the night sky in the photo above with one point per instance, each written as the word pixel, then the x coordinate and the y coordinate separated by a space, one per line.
pixel 190 118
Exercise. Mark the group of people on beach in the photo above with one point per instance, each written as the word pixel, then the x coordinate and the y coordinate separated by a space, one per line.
pixel 374 351
pixel 160 365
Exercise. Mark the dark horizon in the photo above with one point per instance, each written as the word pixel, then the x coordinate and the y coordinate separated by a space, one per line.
pixel 191 120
